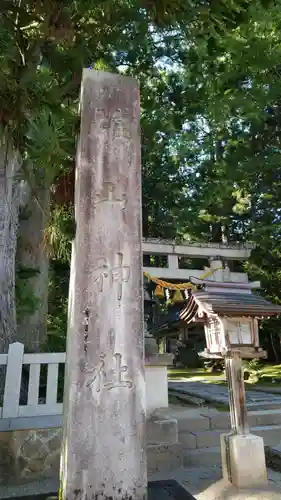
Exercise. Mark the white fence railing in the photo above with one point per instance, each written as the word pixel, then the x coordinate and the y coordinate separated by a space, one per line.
pixel 33 404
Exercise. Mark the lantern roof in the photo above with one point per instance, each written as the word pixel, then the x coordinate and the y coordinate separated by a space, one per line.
pixel 226 299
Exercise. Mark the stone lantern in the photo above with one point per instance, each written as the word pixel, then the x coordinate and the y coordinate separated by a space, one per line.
pixel 230 312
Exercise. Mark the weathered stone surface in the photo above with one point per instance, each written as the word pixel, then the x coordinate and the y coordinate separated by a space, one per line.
pixel 29 455
pixel 188 440
pixel 34 455
pixel 207 439
pixel 266 417
pixel 220 421
pixel 7 462
pixel 243 460
pixel 202 458
pixel 193 424
pixel 104 451
pixel 162 430
pixel 164 458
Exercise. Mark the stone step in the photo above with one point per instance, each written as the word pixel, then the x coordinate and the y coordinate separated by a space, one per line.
pixel 270 433
pixel 211 394
pixel 265 417
pixel 206 419
pixel 162 431
pixel 205 457
pixel 193 424
pixel 265 405
pixel 209 439
pixel 163 457
pixel 221 420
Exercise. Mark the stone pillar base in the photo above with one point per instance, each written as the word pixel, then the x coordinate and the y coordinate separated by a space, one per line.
pixel 243 460
pixel 156 380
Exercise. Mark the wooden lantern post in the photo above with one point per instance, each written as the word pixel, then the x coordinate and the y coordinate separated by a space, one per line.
pixel 237 395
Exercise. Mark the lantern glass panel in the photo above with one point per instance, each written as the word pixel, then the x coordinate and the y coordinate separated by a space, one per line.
pixel 213 335
pixel 240 332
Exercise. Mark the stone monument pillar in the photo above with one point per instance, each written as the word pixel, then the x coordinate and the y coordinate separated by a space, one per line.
pixel 103 454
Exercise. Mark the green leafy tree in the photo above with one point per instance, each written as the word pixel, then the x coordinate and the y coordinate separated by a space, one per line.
pixel 233 140
pixel 44 45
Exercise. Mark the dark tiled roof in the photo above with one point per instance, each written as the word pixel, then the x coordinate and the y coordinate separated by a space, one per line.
pixel 228 304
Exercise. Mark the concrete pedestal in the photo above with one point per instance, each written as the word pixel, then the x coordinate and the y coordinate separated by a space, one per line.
pixel 243 460
pixel 156 381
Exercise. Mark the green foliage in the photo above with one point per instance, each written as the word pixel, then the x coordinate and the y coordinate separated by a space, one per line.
pixel 26 301
pixel 45 45
pixel 211 131
pixel 210 116
pixel 252 370
pixel 187 354
pixel 241 151
pixel 233 147
pixel 164 179
pixel 50 152
pixel 60 233
pixel 57 315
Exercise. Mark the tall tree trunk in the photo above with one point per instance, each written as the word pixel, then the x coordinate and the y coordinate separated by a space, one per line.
pixel 275 344
pixel 216 232
pixel 33 263
pixel 9 210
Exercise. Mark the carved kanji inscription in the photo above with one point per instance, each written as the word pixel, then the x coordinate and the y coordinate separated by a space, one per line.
pixel 108 379
pixel 100 273
pixel 119 274
pixel 109 195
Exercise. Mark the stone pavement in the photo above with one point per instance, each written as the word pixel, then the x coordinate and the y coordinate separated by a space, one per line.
pixel 201 482
pixel 213 393
pixel 157 490
pixel 206 484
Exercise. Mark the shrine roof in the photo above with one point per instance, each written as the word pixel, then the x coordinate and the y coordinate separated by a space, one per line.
pixel 227 303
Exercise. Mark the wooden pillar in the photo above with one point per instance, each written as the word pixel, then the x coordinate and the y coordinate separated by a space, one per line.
pixel 237 396
pixel 104 454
